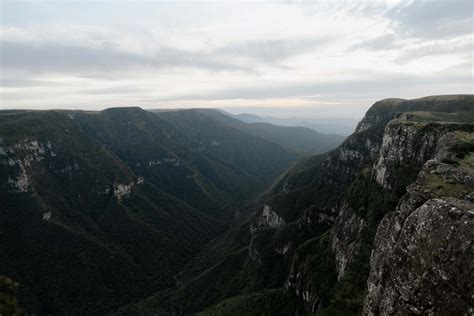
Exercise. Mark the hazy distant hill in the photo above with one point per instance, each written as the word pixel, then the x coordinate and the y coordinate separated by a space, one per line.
pixel 248 118
pixel 300 140
pixel 341 126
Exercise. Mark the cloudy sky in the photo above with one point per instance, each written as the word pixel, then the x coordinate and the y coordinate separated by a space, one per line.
pixel 340 55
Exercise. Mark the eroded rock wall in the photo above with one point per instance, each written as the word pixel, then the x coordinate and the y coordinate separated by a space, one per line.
pixel 423 258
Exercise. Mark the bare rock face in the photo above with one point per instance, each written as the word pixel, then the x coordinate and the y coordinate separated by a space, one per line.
pixel 345 239
pixel 270 218
pixel 122 190
pixel 423 258
pixel 406 145
pixel 376 118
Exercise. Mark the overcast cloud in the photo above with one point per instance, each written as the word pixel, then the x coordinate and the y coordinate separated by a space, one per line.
pixel 323 54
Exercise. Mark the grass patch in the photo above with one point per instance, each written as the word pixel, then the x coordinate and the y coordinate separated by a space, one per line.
pixel 467 161
pixel 441 117
pixel 8 301
pixel 440 187
pixel 464 145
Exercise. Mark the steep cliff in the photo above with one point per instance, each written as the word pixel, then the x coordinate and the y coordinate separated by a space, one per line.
pixel 423 260
pixel 423 252
pixel 409 140
pixel 422 256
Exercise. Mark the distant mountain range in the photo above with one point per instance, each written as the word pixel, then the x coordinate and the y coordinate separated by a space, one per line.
pixel 302 140
pixel 341 126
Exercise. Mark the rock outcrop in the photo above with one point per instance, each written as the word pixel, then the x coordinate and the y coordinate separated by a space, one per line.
pixel 422 255
pixel 423 260
pixel 270 218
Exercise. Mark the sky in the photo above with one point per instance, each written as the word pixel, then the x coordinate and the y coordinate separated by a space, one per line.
pixel 335 57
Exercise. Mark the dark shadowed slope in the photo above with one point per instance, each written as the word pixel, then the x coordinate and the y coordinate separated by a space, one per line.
pixel 80 230
pixel 212 167
pixel 102 208
pixel 301 140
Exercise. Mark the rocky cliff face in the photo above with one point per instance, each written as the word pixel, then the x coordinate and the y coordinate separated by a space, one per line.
pixel 423 256
pixel 422 261
pixel 422 250
pixel 405 147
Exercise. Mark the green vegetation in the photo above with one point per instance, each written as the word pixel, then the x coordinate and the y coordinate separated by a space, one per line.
pixel 442 103
pixel 438 185
pixel 468 161
pixel 267 302
pixel 320 266
pixel 370 201
pixel 441 117
pixel 450 161
pixel 164 247
pixel 94 252
pixel 462 150
pixel 8 302
pixel 210 166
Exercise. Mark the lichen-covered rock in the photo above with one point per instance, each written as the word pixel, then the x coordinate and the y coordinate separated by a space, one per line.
pixel 345 239
pixel 122 190
pixel 20 183
pixel 405 144
pixel 20 158
pixel 423 260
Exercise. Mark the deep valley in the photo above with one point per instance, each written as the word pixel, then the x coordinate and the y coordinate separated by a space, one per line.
pixel 195 212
